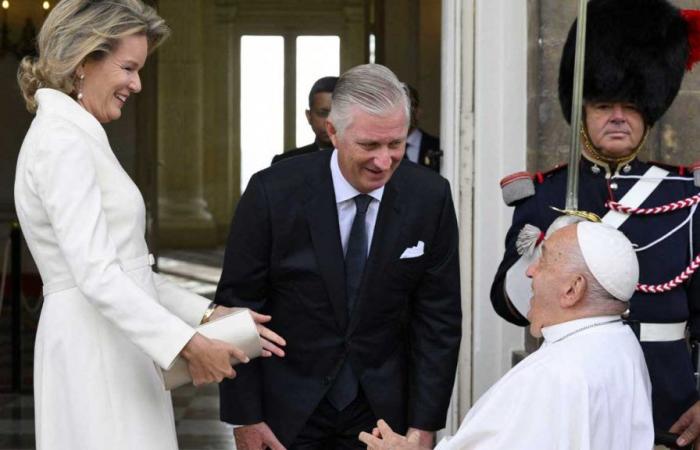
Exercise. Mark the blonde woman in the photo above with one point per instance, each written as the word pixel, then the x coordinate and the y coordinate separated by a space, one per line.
pixel 106 317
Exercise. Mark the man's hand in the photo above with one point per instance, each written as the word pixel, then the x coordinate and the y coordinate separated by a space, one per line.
pixel 688 426
pixel 256 437
pixel 271 341
pixel 209 360
pixel 422 437
pixel 384 438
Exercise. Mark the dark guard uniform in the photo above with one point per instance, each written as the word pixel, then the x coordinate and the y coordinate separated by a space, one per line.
pixel 636 52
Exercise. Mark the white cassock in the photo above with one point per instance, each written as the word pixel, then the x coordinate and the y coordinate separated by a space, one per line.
pixel 106 316
pixel 588 390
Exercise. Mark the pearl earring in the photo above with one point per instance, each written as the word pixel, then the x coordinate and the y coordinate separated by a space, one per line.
pixel 80 93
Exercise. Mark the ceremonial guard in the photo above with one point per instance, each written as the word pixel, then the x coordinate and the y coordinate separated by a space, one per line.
pixel 636 54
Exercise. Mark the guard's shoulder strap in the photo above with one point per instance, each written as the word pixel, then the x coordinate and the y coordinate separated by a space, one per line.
pixel 641 190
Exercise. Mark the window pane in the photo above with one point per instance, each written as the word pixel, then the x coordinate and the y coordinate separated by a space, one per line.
pixel 262 102
pixel 317 56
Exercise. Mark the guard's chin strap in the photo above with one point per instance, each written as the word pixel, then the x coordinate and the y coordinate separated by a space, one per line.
pixel 610 163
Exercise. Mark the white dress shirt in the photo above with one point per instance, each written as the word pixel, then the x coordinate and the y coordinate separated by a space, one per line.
pixel 344 200
pixel 586 388
pixel 413 141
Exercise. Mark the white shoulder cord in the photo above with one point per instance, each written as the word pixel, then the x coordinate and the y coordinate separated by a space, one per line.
pixel 670 233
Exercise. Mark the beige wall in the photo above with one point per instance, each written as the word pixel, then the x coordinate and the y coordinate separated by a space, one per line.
pixel 411 49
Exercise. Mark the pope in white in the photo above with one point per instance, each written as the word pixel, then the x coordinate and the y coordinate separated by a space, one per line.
pixel 587 387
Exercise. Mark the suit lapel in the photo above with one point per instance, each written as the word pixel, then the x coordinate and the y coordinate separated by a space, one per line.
pixel 322 216
pixel 386 232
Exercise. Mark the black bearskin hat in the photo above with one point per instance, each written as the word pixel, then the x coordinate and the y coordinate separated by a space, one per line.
pixel 636 52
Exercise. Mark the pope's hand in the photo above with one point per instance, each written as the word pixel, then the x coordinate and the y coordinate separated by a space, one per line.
pixel 384 438
pixel 256 437
pixel 421 437
pixel 209 360
pixel 688 426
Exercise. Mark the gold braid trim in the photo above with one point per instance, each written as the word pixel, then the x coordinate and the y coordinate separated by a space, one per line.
pixel 585 215
pixel 596 156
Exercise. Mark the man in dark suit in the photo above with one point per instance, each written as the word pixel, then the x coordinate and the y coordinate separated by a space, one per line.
pixel 421 148
pixel 319 108
pixel 354 252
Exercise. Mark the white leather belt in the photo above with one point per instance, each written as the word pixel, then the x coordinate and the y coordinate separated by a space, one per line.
pixel 127 265
pixel 661 332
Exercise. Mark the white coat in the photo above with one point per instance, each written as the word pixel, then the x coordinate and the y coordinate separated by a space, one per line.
pixel 106 316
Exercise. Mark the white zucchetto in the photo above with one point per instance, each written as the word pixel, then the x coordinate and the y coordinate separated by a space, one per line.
pixel 610 257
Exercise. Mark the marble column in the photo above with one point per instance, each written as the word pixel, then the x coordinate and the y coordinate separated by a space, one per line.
pixel 184 216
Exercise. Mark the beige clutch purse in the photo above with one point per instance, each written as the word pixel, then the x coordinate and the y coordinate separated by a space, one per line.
pixel 237 328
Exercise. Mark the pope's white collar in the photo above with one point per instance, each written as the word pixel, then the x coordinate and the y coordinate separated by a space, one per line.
pixel 555 332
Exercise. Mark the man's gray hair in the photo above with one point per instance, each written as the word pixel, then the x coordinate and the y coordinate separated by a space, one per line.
pixel 371 87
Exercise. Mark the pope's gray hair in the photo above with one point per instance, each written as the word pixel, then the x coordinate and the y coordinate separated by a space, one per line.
pixel 371 87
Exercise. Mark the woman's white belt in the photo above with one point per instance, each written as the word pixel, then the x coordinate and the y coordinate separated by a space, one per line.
pixel 127 265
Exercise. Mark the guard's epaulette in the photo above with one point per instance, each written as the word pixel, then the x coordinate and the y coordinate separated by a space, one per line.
pixel 517 186
pixel 521 185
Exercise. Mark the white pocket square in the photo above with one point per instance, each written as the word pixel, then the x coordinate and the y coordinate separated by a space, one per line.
pixel 413 252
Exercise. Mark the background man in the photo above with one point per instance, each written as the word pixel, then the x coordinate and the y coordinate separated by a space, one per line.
pixel 421 148
pixel 355 254
pixel 319 108
pixel 587 387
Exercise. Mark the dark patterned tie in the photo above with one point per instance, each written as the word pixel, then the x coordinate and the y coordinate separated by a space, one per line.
pixel 345 386
pixel 356 254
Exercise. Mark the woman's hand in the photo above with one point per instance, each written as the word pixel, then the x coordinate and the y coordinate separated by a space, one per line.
pixel 271 341
pixel 209 360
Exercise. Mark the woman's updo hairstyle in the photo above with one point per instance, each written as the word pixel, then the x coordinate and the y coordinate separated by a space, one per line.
pixel 77 30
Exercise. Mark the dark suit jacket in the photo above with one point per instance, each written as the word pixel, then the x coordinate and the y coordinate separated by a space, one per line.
pixel 284 257
pixel 430 153
pixel 312 147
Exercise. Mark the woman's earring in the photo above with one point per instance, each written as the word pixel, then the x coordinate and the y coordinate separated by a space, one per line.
pixel 80 90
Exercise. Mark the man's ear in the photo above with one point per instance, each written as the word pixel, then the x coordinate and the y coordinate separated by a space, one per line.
pixel 575 291
pixel 332 133
pixel 308 116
